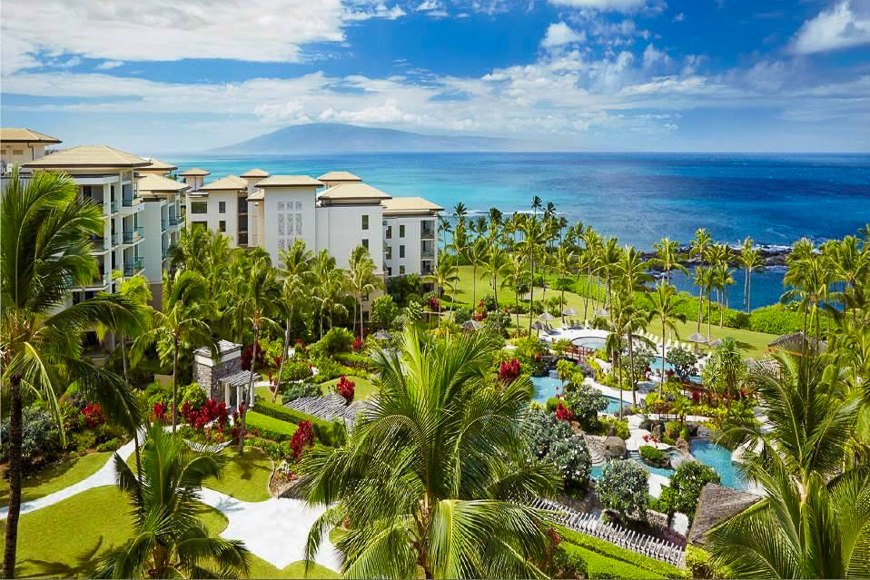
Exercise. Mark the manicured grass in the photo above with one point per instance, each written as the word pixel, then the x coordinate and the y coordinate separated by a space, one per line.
pixel 246 477
pixel 269 427
pixel 599 566
pixel 363 388
pixel 56 477
pixel 752 343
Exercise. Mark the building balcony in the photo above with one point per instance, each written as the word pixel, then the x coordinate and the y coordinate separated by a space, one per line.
pixel 173 221
pixel 100 244
pixel 427 253
pixel 132 267
pixel 133 235
pixel 99 282
pixel 163 225
pixel 427 233
pixel 113 206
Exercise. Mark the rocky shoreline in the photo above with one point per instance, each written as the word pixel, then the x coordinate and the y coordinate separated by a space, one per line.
pixel 771 255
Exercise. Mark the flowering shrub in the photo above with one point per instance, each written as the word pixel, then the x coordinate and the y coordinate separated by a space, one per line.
pixel 303 437
pixel 509 370
pixel 556 442
pixel 345 387
pixel 357 344
pixel 93 415
pixel 158 413
pixel 248 354
pixel 624 488
pixel 211 411
pixel 563 413
pixel 434 305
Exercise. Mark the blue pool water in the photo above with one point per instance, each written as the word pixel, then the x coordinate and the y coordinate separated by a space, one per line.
pixel 593 342
pixel 547 387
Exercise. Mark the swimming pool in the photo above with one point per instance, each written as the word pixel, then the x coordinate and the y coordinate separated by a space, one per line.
pixel 593 342
pixel 656 365
pixel 547 387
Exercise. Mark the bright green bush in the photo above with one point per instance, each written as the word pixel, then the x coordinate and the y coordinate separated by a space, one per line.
pixel 299 390
pixel 269 427
pixel 653 456
pixel 623 488
pixel 323 430
pixel 297 370
pixel 654 568
pixel 195 395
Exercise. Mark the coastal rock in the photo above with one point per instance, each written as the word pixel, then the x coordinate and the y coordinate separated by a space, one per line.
pixel 614 448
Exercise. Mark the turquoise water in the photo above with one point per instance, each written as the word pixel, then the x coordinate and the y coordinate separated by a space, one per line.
pixel 593 342
pixel 638 198
pixel 547 387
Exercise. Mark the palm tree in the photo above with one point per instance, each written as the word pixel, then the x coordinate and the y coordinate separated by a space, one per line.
pixel 699 248
pixel 169 541
pixel 178 323
pixel 609 261
pixel 751 260
pixel 532 245
pixel 514 277
pixel 45 230
pixel 330 287
pixel 475 253
pixel 435 478
pixel 136 291
pixel 664 305
pixel 495 264
pixel 256 301
pixel 810 277
pixel 363 280
pixel 295 290
pixel 667 257
pixel 814 521
pixel 445 276
pixel 565 262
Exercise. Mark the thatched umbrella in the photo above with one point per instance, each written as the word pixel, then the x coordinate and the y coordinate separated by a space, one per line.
pixel 697 338
pixel 570 312
pixel 471 325
pixel 602 312
pixel 546 317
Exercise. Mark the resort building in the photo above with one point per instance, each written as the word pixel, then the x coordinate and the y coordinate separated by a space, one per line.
pixel 19 146
pixel 161 219
pixel 336 212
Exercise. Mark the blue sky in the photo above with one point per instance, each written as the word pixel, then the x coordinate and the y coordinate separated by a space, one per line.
pixel 650 75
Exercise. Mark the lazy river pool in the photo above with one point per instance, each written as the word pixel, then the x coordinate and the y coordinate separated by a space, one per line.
pixel 548 387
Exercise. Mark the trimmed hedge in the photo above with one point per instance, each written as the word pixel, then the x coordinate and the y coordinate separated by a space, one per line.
pixel 650 565
pixel 323 430
pixel 269 427
pixel 600 566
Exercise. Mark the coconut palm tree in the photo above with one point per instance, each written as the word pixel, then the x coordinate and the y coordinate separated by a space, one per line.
pixel 810 277
pixel 664 305
pixel 445 277
pixel 296 270
pixel 169 541
pixel 363 280
pixel 495 265
pixel 667 257
pixel 699 248
pixel 330 286
pixel 565 263
pixel 256 301
pixel 532 246
pixel 179 324
pixel 475 253
pixel 609 261
pixel 515 273
pixel 45 230
pixel 435 477
pixel 750 259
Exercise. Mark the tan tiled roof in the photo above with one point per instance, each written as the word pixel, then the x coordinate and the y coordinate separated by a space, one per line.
pixel 716 505
pixel 256 172
pixel 158 184
pixel 289 181
pixel 194 172
pixel 353 191
pixel 21 135
pixel 88 156
pixel 228 183
pixel 156 164
pixel 409 205
pixel 339 176
pixel 258 195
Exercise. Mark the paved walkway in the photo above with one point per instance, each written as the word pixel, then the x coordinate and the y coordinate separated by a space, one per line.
pixel 275 530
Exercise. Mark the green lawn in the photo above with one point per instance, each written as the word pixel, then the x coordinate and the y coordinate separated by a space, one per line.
pixel 752 343
pixel 246 477
pixel 57 476
pixel 363 388
pixel 67 539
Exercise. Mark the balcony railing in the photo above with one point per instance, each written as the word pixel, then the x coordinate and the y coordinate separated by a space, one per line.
pixel 101 280
pixel 129 201
pixel 427 252
pixel 162 225
pixel 99 243
pixel 427 233
pixel 133 266
pixel 173 221
pixel 133 234
pixel 114 205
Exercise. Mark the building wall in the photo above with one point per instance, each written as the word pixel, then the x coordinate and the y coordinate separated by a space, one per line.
pixel 19 153
pixel 340 230
pixel 288 215
pixel 152 219
pixel 213 215
pixel 414 245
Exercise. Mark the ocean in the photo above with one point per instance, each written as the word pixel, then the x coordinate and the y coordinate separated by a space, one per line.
pixel 639 198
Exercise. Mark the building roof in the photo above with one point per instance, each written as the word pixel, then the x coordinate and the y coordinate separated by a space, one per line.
pixel 228 183
pixel 339 176
pixel 794 343
pixel 223 347
pixel 716 505
pixel 256 172
pixel 156 165
pixel 194 172
pixel 353 190
pixel 258 195
pixel 151 184
pixel 409 205
pixel 88 156
pixel 21 135
pixel 289 181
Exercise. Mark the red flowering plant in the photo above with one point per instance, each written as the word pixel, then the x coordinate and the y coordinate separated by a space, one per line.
pixel 345 387
pixel 434 304
pixel 563 413
pixel 248 354
pixel 299 345
pixel 509 370
pixel 357 344
pixel 158 413
pixel 93 415
pixel 302 438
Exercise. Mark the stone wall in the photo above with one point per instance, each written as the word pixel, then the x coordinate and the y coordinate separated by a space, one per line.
pixel 208 377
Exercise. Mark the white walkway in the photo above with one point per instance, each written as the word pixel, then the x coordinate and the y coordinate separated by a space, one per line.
pixel 274 530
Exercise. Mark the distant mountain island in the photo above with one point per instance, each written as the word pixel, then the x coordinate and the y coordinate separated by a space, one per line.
pixel 333 138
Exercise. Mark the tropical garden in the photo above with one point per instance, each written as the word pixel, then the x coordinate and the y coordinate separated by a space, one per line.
pixel 440 469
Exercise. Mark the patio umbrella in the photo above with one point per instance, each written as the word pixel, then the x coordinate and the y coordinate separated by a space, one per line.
pixel 570 312
pixel 697 338
pixel 471 325
pixel 546 317
pixel 716 343
pixel 602 312
pixel 537 325
pixel 383 335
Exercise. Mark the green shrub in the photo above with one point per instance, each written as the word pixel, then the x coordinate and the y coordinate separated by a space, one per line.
pixel 552 403
pixel 623 488
pixel 672 429
pixel 40 438
pixel 296 370
pixel 337 340
pixel 195 395
pixel 269 427
pixel 110 445
pixel 653 456
pixel 299 390
pixel 384 311
pixel 567 562
pixel 84 440
pixel 328 369
pixel 614 552
pixel 620 427
pixel 600 566
pixel 700 564
pixel 355 360
pixel 323 430
pixel 687 482
pixel 778 319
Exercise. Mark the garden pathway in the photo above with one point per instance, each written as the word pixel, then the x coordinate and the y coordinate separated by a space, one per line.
pixel 274 530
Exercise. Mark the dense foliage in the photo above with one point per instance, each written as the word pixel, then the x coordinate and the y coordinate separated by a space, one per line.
pixel 624 488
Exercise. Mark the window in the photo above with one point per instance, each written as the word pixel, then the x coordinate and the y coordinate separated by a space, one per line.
pixel 389 232
pixel 401 251
pixel 389 271
pixel 222 207
pixel 365 244
pixel 402 270
pixel 198 207
pixel 243 204
pixel 401 231
pixel 222 225
pixel 389 252
pixel 365 222
pixel 198 224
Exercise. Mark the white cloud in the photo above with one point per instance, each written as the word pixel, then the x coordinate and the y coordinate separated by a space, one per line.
pixel 679 17
pixel 603 5
pixel 844 25
pixel 560 34
pixel 110 64
pixel 652 57
pixel 253 30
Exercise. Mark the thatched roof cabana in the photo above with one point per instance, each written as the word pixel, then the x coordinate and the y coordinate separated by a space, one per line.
pixel 717 505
